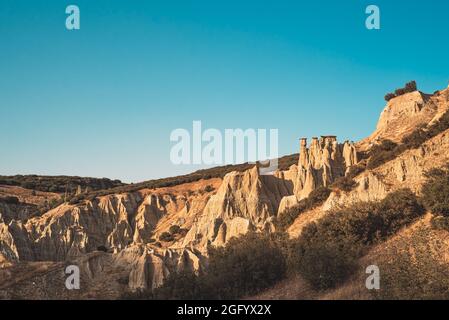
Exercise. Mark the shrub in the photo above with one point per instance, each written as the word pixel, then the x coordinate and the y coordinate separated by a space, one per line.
pixel 174 229
pixel 325 266
pixel 317 197
pixel 381 153
pixel 158 244
pixel 166 237
pixel 411 86
pixel 345 184
pixel 337 240
pixel 399 92
pixel 102 248
pixel 183 285
pixel 245 266
pixel 290 250
pixel 355 170
pixel 389 96
pixel 209 188
pixel 198 236
pixel 415 272
pixel 397 210
pixel 435 191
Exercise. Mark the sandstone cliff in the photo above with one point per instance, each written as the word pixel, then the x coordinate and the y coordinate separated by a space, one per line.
pixel 129 226
pixel 319 165
pixel 124 224
pixel 404 114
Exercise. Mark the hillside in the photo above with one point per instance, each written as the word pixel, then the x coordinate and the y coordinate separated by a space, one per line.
pixel 146 239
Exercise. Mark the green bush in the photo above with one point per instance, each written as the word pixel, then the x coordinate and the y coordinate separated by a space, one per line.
pixel 166 237
pixel 325 266
pixel 409 87
pixel 389 96
pixel 174 229
pixel 158 244
pixel 183 232
pixel 381 153
pixel 435 191
pixel 244 267
pixel 355 170
pixel 414 272
pixel 400 92
pixel 102 248
pixel 343 236
pixel 317 197
pixel 344 184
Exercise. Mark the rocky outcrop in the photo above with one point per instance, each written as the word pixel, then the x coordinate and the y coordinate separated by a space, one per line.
pixel 322 163
pixel 248 201
pixel 113 222
pixel 149 267
pixel 403 114
pixel 319 165
pixel 14 242
pixel 245 201
pixel 406 171
pixel 71 230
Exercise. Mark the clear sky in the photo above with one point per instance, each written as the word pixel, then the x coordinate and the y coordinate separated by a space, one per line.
pixel 102 101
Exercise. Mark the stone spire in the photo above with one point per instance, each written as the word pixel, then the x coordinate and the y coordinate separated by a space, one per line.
pixel 303 153
pixel 322 163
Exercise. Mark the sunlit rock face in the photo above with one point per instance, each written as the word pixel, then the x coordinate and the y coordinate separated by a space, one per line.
pixel 320 164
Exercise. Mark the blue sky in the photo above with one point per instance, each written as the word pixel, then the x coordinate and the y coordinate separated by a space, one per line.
pixel 102 101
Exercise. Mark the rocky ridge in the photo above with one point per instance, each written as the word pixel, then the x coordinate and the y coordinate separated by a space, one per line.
pixel 127 224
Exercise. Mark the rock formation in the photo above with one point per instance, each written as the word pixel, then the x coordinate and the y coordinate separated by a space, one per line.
pixel 129 225
pixel 122 223
pixel 322 163
pixel 319 165
pixel 404 114
pixel 245 201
